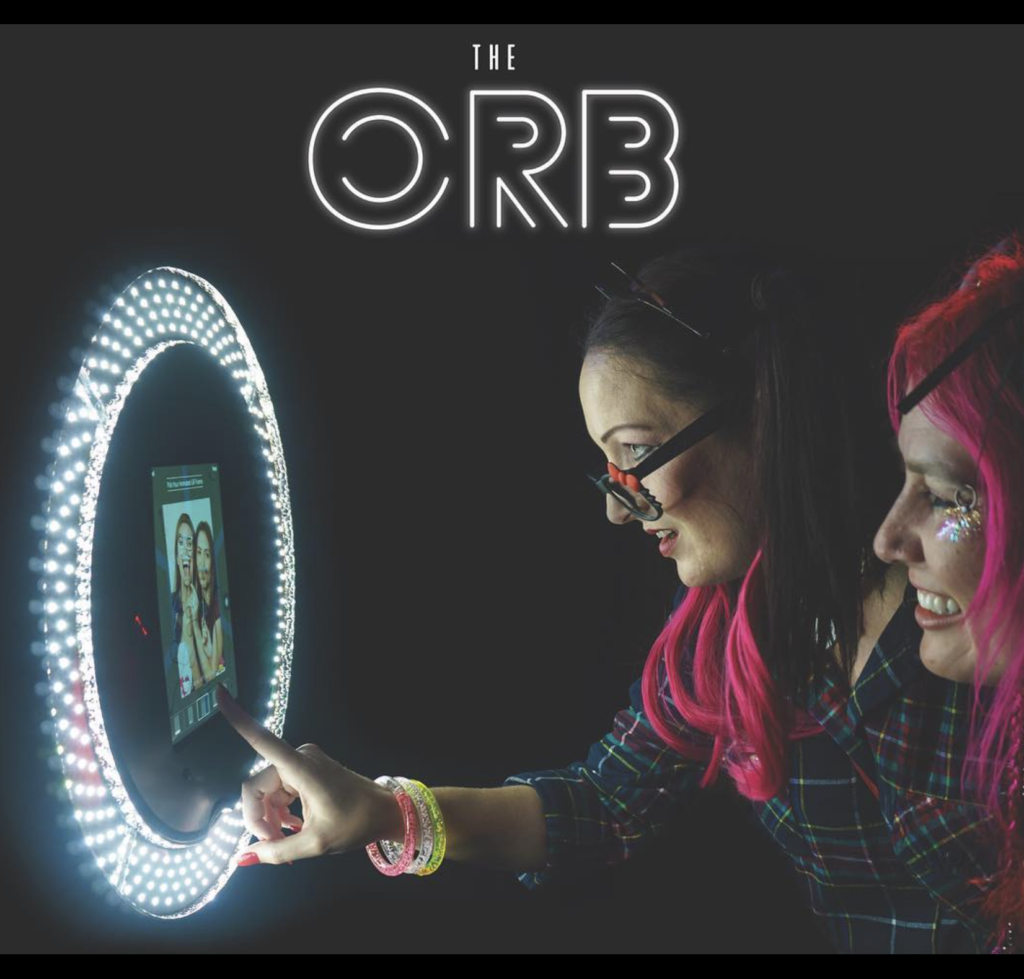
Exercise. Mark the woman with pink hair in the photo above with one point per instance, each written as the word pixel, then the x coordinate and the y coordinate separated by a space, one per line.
pixel 729 392
pixel 956 396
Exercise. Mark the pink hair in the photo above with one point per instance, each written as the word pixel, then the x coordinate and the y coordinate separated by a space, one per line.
pixel 734 697
pixel 974 405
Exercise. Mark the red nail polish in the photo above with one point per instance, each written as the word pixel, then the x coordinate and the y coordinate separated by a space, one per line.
pixel 248 859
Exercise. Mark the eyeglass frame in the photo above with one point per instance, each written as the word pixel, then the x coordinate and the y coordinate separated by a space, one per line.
pixel 708 423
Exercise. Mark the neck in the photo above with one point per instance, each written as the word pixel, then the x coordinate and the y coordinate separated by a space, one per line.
pixel 878 607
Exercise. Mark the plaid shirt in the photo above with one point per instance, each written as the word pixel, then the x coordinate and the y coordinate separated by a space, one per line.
pixel 885 874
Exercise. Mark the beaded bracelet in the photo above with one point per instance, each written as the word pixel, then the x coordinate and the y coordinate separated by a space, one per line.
pixel 411 827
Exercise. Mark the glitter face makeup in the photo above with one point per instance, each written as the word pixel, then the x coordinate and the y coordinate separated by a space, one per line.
pixel 963 521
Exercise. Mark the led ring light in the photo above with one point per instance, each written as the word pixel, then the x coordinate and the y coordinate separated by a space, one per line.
pixel 161 309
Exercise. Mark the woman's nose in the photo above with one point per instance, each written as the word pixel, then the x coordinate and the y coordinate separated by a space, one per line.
pixel 895 541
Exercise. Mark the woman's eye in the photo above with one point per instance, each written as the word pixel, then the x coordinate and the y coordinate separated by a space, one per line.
pixel 938 501
pixel 638 455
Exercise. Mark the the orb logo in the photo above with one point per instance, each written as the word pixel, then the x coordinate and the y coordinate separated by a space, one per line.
pixel 516 159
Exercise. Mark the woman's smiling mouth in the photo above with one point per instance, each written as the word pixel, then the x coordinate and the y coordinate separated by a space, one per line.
pixel 936 611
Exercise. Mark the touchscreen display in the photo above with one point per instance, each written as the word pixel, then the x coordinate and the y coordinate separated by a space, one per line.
pixel 193 593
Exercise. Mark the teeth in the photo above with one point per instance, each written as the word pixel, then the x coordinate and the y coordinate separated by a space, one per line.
pixel 665 533
pixel 939 604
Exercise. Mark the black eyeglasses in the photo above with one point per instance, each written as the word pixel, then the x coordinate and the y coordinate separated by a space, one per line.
pixel 625 485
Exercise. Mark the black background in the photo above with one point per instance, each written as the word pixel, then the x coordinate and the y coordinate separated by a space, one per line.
pixel 440 351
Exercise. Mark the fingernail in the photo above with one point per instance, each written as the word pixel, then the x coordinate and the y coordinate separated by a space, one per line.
pixel 248 859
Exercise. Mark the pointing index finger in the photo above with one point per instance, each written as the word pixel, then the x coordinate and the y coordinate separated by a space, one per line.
pixel 276 750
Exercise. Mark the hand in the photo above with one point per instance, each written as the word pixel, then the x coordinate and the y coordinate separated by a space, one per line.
pixel 342 810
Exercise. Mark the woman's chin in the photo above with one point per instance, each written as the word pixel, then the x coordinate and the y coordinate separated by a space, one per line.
pixel 954 657
pixel 701 574
pixel 948 654
pixel 693 576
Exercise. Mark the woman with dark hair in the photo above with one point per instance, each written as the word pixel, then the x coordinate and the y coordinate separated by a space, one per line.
pixel 956 395
pixel 728 391
pixel 207 624
pixel 772 510
pixel 184 603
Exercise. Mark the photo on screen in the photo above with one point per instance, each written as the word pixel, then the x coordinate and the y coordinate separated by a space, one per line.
pixel 193 594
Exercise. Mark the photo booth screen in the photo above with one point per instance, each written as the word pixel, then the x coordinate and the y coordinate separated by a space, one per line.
pixel 193 593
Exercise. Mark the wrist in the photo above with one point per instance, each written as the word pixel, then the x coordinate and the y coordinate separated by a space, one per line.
pixel 386 821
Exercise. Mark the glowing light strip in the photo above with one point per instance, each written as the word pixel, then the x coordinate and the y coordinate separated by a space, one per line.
pixel 163 308
pixel 666 159
pixel 311 159
pixel 501 188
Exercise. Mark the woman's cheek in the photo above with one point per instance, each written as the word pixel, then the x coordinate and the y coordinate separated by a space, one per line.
pixel 960 564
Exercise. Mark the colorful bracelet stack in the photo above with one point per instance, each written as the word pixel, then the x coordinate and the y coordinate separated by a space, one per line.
pixel 423 848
